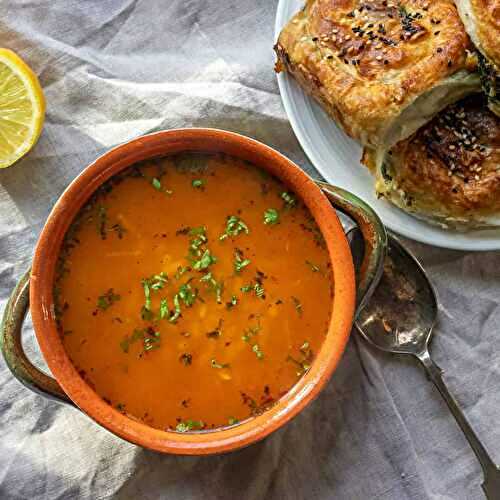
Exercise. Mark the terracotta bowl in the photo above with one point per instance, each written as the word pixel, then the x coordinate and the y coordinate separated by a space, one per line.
pixel 69 387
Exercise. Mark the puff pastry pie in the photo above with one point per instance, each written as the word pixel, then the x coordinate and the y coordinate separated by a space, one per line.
pixel 449 171
pixel 380 68
pixel 482 22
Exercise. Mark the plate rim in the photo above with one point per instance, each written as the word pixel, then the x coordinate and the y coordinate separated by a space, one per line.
pixel 476 245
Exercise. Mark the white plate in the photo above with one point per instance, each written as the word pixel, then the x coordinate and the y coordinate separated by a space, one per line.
pixel 337 157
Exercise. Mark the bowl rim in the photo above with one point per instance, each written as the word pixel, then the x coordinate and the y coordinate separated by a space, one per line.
pixel 163 143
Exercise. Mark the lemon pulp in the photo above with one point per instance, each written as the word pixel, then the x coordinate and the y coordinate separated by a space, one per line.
pixel 22 108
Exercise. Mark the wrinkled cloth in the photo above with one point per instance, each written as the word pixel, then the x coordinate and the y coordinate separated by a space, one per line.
pixel 114 69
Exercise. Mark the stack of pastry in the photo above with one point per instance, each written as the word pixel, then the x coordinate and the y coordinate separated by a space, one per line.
pixel 415 82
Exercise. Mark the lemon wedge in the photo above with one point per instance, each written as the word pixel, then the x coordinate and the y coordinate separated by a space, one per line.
pixel 22 108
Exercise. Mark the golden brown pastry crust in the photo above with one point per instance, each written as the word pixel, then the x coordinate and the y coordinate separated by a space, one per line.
pixel 367 61
pixel 482 21
pixel 450 169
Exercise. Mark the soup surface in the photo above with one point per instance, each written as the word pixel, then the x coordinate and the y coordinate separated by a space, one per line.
pixel 193 291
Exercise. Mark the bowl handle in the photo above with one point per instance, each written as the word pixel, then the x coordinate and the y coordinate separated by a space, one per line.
pixel 369 272
pixel 12 349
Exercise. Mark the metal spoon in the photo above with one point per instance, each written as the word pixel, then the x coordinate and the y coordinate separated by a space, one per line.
pixel 399 318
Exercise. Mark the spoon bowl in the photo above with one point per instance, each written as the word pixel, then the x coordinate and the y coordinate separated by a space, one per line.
pixel 402 313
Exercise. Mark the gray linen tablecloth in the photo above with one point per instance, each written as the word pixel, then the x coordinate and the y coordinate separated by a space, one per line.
pixel 114 69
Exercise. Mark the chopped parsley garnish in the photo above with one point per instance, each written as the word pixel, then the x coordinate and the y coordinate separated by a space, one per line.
pixel 232 302
pixel 289 199
pixel 150 338
pixel 102 215
pixel 200 238
pixel 107 299
pixel 146 314
pixel 259 290
pixel 206 260
pixel 234 226
pixel 305 348
pixel 201 258
pixel 195 231
pixel 187 295
pixel 186 359
pixel 314 267
pixel 271 216
pixel 189 425
pixel 298 305
pixel 233 421
pixel 177 309
pixel 198 183
pixel 305 360
pixel 103 222
pixel 239 262
pixel 163 314
pixel 207 278
pixel 180 271
pixel 216 286
pixel 158 281
pixel 156 183
pixel 256 349
pixel 155 282
pixel 136 335
pixel 152 341
pixel 255 287
pixel 251 331
pixel 214 364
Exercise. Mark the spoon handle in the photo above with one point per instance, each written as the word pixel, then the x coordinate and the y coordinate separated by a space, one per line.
pixel 491 484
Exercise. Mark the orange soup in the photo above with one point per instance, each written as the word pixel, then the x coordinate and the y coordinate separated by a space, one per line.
pixel 193 291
